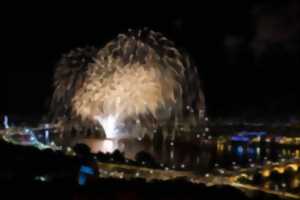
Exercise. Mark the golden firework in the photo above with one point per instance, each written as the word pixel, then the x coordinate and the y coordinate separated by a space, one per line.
pixel 136 82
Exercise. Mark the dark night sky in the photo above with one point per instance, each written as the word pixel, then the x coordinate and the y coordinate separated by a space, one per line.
pixel 247 53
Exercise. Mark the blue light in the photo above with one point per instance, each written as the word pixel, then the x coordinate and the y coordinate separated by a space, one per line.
pixel 84 172
pixel 5 122
pixel 245 136
pixel 254 133
pixel 47 136
pixel 82 179
pixel 251 150
pixel 240 150
pixel 239 138
pixel 87 170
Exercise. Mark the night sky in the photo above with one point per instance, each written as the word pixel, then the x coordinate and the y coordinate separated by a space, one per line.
pixel 248 54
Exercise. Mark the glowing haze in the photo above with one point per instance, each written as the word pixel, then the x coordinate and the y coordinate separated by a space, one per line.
pixel 132 85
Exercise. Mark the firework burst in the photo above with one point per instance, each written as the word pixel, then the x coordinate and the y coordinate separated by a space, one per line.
pixel 136 82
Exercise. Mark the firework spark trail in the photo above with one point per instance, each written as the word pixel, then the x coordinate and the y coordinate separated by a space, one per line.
pixel 138 79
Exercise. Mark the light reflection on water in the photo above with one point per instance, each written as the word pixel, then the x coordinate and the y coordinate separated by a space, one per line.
pixel 200 157
pixel 105 146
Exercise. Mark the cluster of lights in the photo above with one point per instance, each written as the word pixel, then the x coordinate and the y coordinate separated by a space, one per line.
pixel 265 173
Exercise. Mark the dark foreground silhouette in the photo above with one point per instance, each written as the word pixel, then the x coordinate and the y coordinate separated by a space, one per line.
pixel 21 168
